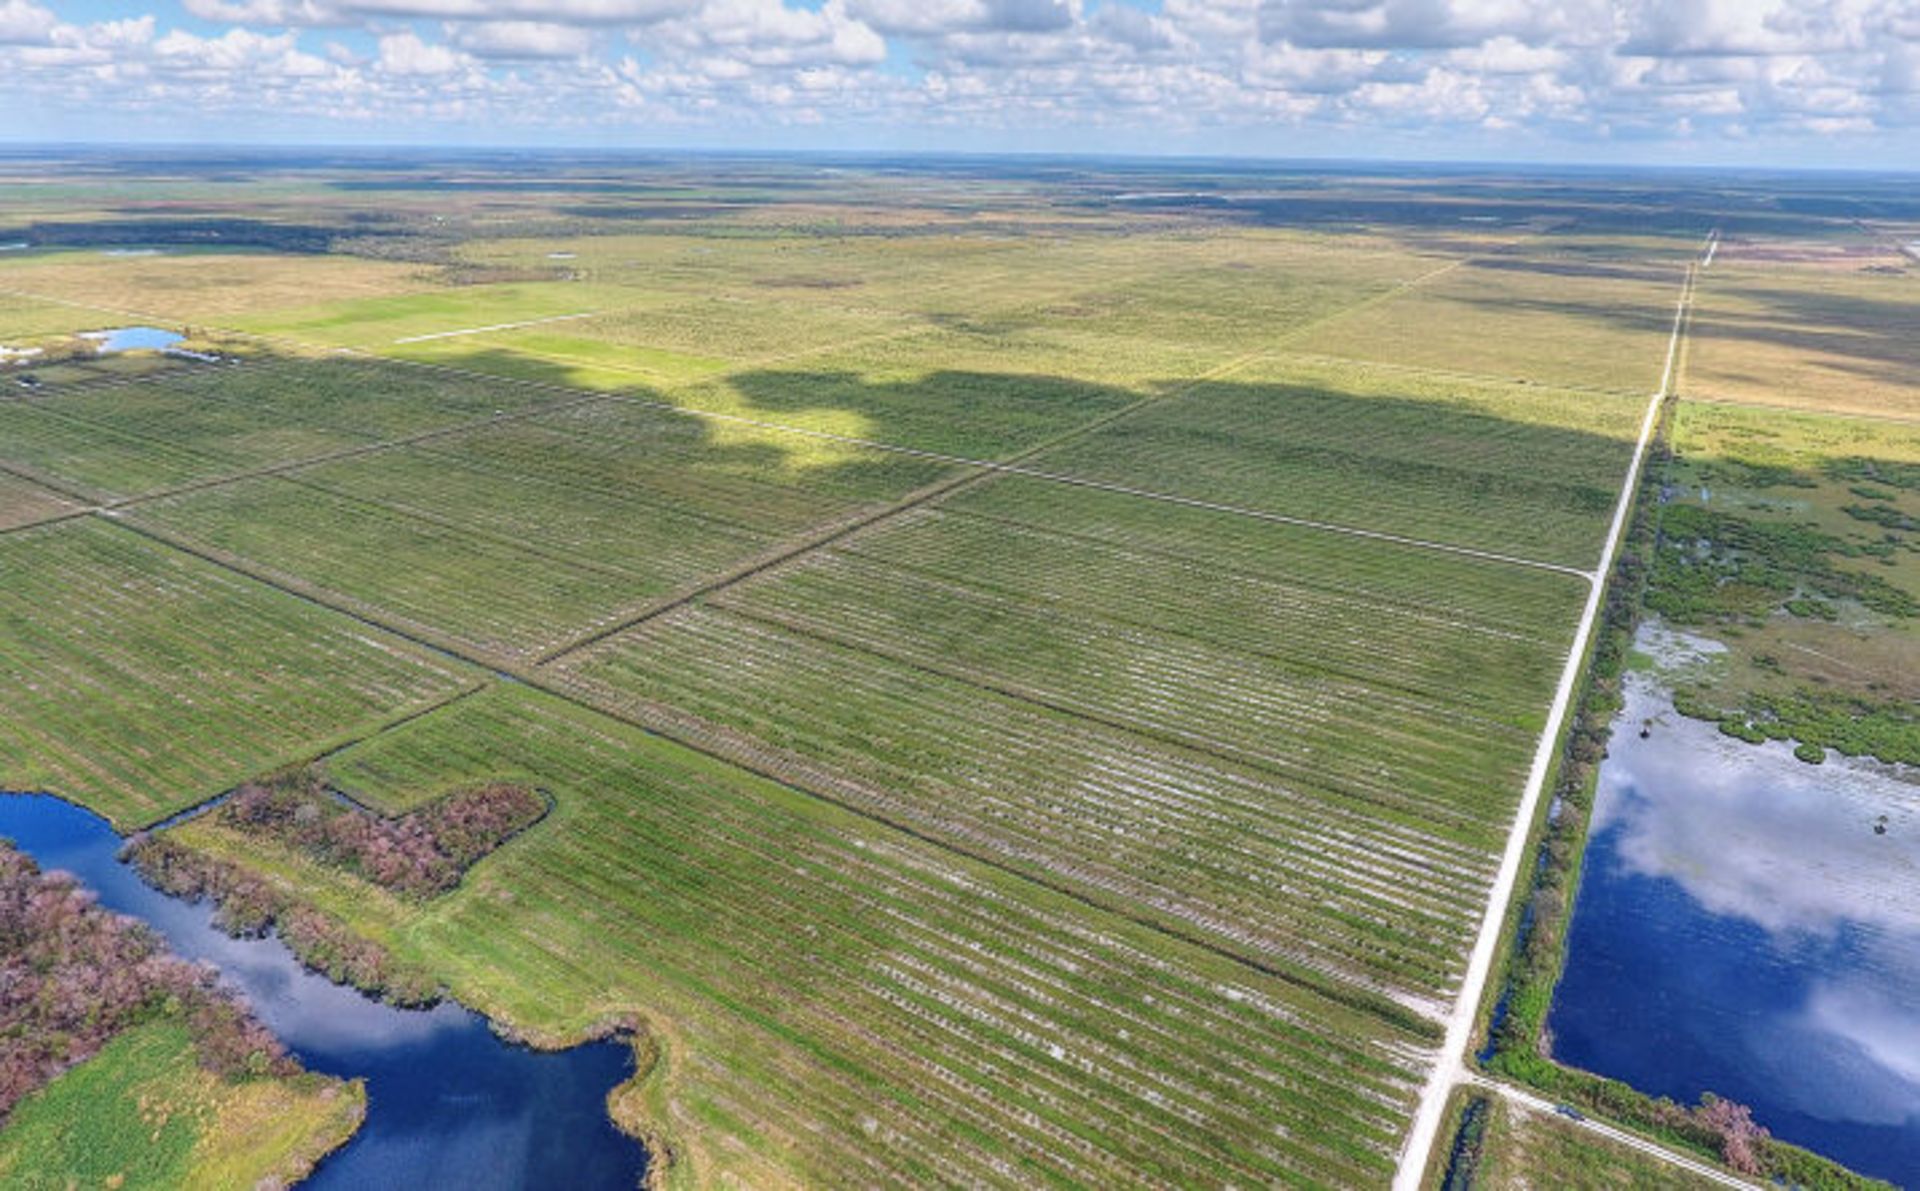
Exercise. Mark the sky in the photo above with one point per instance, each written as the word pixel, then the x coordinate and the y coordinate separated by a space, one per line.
pixel 1701 82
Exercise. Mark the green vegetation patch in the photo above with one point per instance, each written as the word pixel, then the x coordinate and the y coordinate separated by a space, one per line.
pixel 1513 469
pixel 1525 1148
pixel 1523 314
pixel 142 680
pixel 144 1113
pixel 1765 543
pixel 376 322
pixel 23 318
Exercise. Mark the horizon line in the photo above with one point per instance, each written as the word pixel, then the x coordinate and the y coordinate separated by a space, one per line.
pixel 11 146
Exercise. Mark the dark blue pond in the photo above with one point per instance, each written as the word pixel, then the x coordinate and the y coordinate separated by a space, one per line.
pixel 450 1104
pixel 1749 925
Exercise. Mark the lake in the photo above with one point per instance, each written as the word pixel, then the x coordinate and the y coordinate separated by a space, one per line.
pixel 450 1104
pixel 1749 924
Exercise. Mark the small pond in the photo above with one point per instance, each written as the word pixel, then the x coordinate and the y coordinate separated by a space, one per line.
pixel 450 1104
pixel 1749 924
pixel 128 339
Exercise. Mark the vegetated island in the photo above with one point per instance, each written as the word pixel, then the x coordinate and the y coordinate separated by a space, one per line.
pixel 124 1065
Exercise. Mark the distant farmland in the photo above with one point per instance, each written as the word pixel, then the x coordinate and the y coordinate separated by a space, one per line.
pixel 1031 704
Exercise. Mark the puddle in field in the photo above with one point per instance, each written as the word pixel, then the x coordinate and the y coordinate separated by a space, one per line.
pixel 449 1103
pixel 1749 924
pixel 127 339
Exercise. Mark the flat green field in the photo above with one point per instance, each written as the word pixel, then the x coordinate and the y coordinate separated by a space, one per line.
pixel 1817 334
pixel 1529 315
pixel 23 319
pixel 196 286
pixel 142 680
pixel 1525 1149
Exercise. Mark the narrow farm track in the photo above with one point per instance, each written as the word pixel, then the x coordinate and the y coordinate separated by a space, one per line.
pixel 488 330
pixel 1632 1141
pixel 1450 1066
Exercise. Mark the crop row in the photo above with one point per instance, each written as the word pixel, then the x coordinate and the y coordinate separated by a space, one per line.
pixel 1306 619
pixel 869 1007
pixel 140 680
pixel 1423 765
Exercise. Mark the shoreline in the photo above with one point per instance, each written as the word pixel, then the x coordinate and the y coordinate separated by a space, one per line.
pixel 625 1028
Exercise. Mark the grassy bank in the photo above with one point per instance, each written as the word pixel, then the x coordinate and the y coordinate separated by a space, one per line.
pixel 1514 1148
pixel 144 1112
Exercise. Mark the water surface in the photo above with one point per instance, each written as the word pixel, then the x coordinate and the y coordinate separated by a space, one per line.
pixel 127 339
pixel 1749 924
pixel 450 1104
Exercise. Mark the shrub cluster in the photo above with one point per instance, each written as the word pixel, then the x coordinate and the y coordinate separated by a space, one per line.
pixel 1713 566
pixel 247 905
pixel 73 975
pixel 419 854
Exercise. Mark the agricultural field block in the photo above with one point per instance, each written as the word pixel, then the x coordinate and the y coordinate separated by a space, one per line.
pixel 1524 315
pixel 557 353
pixel 1175 739
pixel 1808 336
pixel 23 502
pixel 840 1004
pixel 519 537
pixel 196 285
pixel 141 680
pixel 23 318
pixel 214 421
pixel 1514 469
pixel 432 315
pixel 950 392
